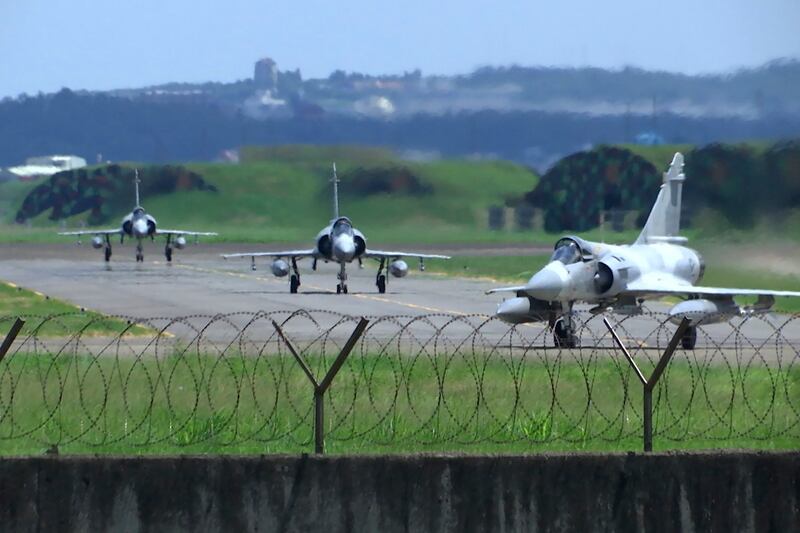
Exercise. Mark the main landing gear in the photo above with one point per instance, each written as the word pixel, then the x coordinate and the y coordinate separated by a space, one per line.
pixel 689 338
pixel 380 281
pixel 294 280
pixel 342 286
pixel 168 248
pixel 107 248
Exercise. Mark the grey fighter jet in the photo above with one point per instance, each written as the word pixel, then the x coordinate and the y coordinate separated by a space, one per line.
pixel 620 278
pixel 340 243
pixel 138 225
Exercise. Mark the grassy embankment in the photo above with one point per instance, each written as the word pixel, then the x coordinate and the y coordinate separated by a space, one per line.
pixel 286 197
pixel 33 306
pixel 196 404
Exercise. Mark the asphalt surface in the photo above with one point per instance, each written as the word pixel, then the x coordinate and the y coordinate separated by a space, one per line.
pixel 201 282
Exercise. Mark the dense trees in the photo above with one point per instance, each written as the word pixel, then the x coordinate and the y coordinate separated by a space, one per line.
pixel 120 129
pixel 740 181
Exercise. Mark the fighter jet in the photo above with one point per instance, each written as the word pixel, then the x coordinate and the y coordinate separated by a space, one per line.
pixel 138 225
pixel 620 278
pixel 340 243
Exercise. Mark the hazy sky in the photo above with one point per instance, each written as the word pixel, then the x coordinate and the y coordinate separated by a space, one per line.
pixel 105 44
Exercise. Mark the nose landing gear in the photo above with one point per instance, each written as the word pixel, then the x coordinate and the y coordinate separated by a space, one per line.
pixel 689 339
pixel 341 287
pixel 564 333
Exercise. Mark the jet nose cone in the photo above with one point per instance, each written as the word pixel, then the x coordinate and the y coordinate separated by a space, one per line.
pixel 344 249
pixel 545 285
pixel 140 228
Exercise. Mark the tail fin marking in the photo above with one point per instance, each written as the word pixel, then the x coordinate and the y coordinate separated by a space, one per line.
pixel 335 181
pixel 136 182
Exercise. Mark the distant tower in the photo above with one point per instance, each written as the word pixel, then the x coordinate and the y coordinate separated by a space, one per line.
pixel 266 74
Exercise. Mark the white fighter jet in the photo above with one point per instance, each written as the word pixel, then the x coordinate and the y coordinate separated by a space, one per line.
pixel 138 225
pixel 619 278
pixel 341 243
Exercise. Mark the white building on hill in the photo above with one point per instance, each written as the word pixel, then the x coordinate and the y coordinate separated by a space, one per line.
pixel 47 165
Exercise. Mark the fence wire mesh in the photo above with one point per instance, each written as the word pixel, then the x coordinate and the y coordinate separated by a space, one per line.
pixel 228 383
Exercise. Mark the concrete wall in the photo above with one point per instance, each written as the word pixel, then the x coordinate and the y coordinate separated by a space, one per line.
pixel 688 492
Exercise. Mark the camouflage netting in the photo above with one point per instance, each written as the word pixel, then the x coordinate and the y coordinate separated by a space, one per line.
pixel 726 178
pixel 104 191
pixel 578 187
pixel 733 179
pixel 383 180
pixel 782 175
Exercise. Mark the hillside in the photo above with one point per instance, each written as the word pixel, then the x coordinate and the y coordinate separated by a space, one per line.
pixel 285 195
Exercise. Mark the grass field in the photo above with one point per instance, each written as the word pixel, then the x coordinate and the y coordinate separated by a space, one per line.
pixel 18 302
pixel 468 402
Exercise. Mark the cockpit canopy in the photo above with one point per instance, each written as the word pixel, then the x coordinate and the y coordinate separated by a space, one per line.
pixel 569 250
pixel 137 212
pixel 342 226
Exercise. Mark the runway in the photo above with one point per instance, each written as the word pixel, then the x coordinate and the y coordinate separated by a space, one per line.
pixel 201 282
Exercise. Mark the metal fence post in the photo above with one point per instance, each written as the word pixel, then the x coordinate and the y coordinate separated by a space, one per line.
pixel 321 387
pixel 649 384
pixel 12 334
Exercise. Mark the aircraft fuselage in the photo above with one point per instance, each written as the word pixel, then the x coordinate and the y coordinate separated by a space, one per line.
pixel 610 269
pixel 340 242
pixel 138 224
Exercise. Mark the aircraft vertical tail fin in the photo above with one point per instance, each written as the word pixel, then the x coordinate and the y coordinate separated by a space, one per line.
pixel 664 221
pixel 136 182
pixel 335 180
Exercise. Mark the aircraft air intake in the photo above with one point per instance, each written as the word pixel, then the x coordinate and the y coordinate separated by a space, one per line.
pixel 603 278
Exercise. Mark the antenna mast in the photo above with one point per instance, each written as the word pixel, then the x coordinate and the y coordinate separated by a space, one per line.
pixel 335 181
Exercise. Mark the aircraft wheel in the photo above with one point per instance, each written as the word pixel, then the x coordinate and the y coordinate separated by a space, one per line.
pixel 139 258
pixel 381 284
pixel 344 289
pixel 168 254
pixel 108 254
pixel 338 289
pixel 293 284
pixel 564 337
pixel 689 338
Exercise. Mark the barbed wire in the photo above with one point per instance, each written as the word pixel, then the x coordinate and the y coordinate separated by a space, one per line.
pixel 229 382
